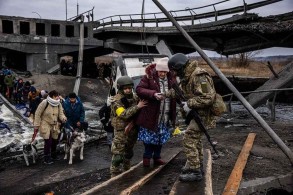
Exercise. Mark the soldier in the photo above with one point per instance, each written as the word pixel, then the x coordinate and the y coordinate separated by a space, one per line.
pixel 198 88
pixel 124 106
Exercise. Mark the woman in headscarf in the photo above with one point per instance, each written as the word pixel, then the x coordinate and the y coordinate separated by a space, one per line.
pixel 159 115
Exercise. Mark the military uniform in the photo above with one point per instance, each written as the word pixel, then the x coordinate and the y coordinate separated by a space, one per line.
pixel 122 112
pixel 198 88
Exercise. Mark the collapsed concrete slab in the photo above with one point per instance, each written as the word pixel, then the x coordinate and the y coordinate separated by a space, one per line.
pixel 285 80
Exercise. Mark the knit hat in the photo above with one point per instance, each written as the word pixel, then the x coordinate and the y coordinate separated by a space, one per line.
pixel 43 93
pixel 33 89
pixel 162 64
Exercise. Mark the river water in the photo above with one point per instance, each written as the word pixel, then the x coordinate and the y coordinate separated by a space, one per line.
pixel 19 134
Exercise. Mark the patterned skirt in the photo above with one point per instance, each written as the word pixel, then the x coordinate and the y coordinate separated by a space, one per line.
pixel 157 138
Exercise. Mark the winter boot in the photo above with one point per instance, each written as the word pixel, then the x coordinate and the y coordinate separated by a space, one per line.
pixel 186 168
pixel 126 164
pixel 48 160
pixel 192 175
pixel 159 161
pixel 55 157
pixel 146 162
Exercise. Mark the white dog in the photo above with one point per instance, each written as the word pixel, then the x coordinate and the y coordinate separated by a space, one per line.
pixel 77 143
pixel 29 150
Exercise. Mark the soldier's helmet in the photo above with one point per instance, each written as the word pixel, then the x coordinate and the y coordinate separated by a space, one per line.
pixel 124 81
pixel 177 62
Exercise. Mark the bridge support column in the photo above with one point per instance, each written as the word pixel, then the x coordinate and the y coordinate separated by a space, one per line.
pixel 16 27
pixel 33 27
pixel 1 29
pixel 162 48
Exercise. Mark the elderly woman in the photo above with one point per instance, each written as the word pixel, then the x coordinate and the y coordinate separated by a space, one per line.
pixel 160 113
pixel 47 115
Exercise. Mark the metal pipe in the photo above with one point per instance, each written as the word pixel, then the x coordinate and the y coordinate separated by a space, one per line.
pixel 260 91
pixel 66 8
pixel 250 109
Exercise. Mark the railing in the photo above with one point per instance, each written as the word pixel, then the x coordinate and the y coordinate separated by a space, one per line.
pixel 179 15
pixel 271 105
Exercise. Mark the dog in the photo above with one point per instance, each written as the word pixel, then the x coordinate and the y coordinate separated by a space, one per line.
pixel 30 150
pixel 77 143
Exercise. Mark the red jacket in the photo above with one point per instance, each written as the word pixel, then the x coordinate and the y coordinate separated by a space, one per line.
pixel 148 86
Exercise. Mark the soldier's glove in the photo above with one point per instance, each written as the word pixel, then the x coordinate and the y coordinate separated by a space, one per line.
pixel 185 107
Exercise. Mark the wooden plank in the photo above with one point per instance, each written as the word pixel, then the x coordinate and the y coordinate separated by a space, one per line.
pixel 234 180
pixel 203 187
pixel 121 182
pixel 145 179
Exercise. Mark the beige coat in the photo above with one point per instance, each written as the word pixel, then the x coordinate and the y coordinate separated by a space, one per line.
pixel 47 119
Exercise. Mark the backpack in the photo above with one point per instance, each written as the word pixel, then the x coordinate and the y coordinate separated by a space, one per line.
pixel 218 107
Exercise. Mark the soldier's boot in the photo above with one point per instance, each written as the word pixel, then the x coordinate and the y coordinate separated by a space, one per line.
pixel 114 171
pixel 186 168
pixel 126 164
pixel 190 176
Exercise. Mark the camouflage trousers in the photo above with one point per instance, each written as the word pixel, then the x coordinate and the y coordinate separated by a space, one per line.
pixel 192 145
pixel 122 150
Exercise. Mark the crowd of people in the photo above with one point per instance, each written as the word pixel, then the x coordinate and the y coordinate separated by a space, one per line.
pixel 49 112
pixel 147 114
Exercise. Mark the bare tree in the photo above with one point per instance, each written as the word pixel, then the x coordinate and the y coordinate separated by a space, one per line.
pixel 243 59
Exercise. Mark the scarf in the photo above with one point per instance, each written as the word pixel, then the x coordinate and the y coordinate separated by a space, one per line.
pixel 165 104
pixel 53 102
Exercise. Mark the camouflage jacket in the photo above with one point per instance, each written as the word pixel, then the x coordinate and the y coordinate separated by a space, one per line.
pixel 198 88
pixel 123 111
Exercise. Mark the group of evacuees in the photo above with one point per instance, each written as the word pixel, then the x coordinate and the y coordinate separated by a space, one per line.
pixel 55 114
pixel 149 113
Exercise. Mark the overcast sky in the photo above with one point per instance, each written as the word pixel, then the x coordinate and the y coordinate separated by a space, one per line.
pixel 56 9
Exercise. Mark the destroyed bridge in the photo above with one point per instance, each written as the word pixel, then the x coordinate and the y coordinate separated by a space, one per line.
pixel 39 43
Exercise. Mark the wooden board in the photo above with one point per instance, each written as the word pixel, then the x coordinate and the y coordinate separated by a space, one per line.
pixel 202 187
pixel 128 181
pixel 234 180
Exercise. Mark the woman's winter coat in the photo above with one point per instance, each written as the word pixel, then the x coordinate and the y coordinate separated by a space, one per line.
pixel 148 86
pixel 47 117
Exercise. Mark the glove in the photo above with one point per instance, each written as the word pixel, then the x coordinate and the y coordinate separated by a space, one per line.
pixel 185 107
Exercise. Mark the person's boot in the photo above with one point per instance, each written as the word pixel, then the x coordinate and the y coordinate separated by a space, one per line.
pixel 159 161
pixel 115 171
pixel 54 157
pixel 146 162
pixel 126 164
pixel 192 175
pixel 186 168
pixel 201 168
pixel 48 160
